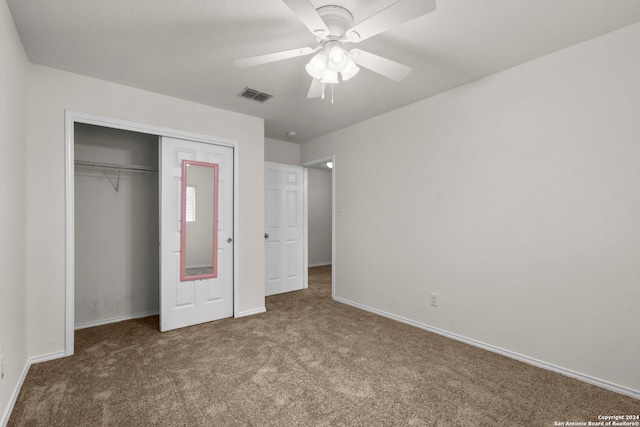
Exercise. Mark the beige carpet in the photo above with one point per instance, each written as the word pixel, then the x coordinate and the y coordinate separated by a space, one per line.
pixel 308 361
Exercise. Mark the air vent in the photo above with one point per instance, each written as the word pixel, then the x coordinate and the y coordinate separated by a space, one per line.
pixel 254 95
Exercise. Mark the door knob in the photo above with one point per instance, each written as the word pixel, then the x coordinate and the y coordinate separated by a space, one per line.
pixel 266 235
pixel 229 240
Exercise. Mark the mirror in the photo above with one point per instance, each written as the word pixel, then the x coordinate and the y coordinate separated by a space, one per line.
pixel 199 219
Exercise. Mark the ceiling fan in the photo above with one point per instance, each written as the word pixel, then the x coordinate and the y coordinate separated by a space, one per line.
pixel 333 28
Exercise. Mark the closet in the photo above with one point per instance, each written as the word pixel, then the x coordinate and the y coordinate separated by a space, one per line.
pixel 116 225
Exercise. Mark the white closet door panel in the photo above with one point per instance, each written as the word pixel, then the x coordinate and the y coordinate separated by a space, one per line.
pixel 194 301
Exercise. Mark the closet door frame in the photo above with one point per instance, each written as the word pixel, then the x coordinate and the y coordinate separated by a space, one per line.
pixel 73 117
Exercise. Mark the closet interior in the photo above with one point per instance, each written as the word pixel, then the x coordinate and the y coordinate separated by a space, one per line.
pixel 116 225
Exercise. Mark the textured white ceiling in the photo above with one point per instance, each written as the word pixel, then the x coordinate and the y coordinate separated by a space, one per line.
pixel 186 48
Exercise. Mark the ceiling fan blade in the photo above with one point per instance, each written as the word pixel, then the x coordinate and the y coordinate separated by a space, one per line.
pixel 306 12
pixel 272 57
pixel 398 13
pixel 386 67
pixel 315 90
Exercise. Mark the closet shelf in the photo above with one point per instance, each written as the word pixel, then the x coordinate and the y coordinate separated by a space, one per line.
pixel 115 166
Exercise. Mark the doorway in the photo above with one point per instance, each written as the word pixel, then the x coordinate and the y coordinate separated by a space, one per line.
pixel 321 214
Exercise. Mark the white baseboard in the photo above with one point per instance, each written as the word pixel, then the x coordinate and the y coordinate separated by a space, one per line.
pixel 16 391
pixel 251 312
pixel 522 358
pixel 14 395
pixel 47 357
pixel 115 320
pixel 319 264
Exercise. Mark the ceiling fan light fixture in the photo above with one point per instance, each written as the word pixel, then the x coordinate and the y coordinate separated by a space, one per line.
pixel 350 70
pixel 338 58
pixel 317 66
pixel 330 77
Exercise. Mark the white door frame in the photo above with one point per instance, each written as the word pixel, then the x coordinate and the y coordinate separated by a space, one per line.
pixel 73 117
pixel 306 165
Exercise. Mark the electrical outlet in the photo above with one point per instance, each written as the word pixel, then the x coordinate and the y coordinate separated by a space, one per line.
pixel 433 299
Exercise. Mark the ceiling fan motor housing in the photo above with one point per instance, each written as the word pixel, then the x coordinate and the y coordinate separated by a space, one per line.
pixel 338 20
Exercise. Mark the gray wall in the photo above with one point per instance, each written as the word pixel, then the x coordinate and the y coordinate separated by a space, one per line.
pixel 281 152
pixel 515 199
pixel 116 233
pixel 13 225
pixel 319 199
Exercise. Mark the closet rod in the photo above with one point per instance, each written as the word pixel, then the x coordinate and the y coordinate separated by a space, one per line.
pixel 133 168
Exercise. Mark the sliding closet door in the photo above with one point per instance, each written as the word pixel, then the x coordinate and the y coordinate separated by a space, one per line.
pixel 195 289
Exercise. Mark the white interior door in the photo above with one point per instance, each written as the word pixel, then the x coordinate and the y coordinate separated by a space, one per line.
pixel 193 301
pixel 284 227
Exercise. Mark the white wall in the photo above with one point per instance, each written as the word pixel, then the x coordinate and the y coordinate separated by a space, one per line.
pixel 116 232
pixel 13 162
pixel 50 93
pixel 319 217
pixel 514 198
pixel 281 152
pixel 13 110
